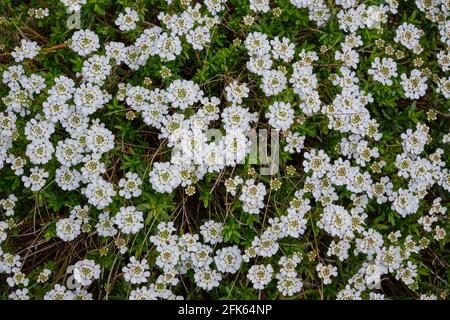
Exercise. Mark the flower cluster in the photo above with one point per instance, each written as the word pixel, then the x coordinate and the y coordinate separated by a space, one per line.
pixel 133 147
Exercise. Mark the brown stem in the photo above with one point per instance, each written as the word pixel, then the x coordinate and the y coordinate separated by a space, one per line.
pixel 54 48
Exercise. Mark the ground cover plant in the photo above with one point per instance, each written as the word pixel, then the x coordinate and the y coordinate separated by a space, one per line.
pixel 240 149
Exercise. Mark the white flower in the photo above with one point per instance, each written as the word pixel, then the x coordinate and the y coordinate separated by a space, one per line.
pixel 19 294
pixel 115 51
pixel 3 231
pixel 266 245
pixel 444 60
pixel 8 204
pixel 198 37
pixel 81 294
pixel 99 193
pixel 413 142
pixel 154 114
pixel 12 76
pixel 376 296
pixel 207 279
pixel 63 89
pixel 85 271
pixel 81 213
pixel 69 152
pixel 257 44
pixel 27 50
pixel 73 5
pixel 325 272
pixel 143 293
pixel 178 24
pixel 428 297
pixel 253 196
pixel 9 263
pixel 294 221
pixel 259 64
pixel 215 6
pixel 36 180
pixel 137 97
pixel 317 162
pixel 237 118
pixel 17 278
pixel 164 237
pixel 130 186
pixel 232 183
pixel 164 177
pixel 408 35
pixel 381 190
pixel 84 42
pixel 169 47
pixel 348 56
pixel 129 220
pixel 182 93
pixel 273 82
pixel 349 294
pixel 407 273
pixel 136 271
pixel 289 264
pixel 236 147
pixel 444 87
pixel 348 78
pixel 189 243
pixel 404 202
pixel 54 109
pixel 415 86
pixel 319 13
pixel 89 97
pixel 168 258
pixel 67 179
pixel 236 92
pixel 280 115
pixel 346 4
pixel 288 284
pixel 210 108
pixel 383 70
pixel 92 168
pixel 135 58
pixel 127 21
pixel 295 142
pixel 259 5
pixel 389 259
pixel 68 229
pixel 282 49
pixel 336 221
pixel 349 20
pixel 373 16
pixel 212 232
pixel 105 226
pixel 38 128
pixel 228 259
pixel 439 233
pixel 339 249
pixel 17 164
pixel 201 256
pixel 96 69
pixel 99 139
pixel 40 151
pixel 303 79
pixel 59 292
pixel 260 275
pixel 76 123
